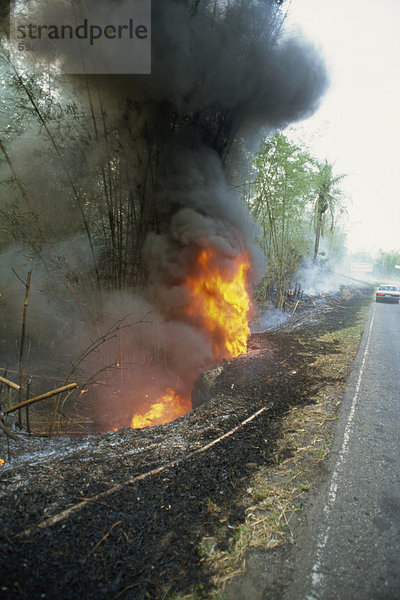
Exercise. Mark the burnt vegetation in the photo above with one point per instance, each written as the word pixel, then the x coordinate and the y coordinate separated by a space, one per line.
pixel 153 495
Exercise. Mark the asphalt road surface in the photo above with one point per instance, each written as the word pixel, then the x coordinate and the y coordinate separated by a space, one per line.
pixel 351 548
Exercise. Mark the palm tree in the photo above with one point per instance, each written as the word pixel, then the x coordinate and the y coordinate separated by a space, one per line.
pixel 328 200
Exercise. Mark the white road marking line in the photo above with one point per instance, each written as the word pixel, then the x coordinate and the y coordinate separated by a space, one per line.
pixel 316 576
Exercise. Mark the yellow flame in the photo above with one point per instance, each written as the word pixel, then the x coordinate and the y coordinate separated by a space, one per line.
pixel 221 303
pixel 2 461
pixel 170 407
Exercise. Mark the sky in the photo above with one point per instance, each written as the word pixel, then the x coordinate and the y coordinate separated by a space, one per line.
pixel 357 126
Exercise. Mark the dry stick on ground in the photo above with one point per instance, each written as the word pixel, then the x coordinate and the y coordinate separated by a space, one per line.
pixel 295 308
pixel 22 344
pixel 60 390
pixel 66 513
pixel 101 541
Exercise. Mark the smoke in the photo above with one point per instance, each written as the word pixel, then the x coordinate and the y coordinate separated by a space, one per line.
pixel 323 276
pixel 222 74
pixel 317 279
pixel 269 319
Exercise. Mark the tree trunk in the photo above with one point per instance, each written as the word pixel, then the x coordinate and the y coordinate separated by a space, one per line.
pixel 322 207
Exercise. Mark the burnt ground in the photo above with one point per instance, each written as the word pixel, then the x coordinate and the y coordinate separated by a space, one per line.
pixel 138 503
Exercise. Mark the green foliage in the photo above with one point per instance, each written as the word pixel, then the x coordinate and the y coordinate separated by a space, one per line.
pixel 292 197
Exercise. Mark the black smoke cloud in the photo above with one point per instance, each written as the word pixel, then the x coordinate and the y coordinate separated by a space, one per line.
pixel 231 61
pixel 223 73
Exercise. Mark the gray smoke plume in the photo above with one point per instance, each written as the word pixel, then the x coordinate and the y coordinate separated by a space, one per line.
pixel 222 74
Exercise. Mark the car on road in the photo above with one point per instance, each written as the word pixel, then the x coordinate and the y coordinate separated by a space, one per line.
pixel 388 293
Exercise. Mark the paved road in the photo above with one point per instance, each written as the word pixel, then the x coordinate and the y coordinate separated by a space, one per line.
pixel 351 549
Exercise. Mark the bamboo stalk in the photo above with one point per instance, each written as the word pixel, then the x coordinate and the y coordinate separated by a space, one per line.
pixel 79 305
pixel 16 178
pixel 10 384
pixel 63 164
pixel 22 344
pixel 36 218
pixel 23 193
pixel 28 424
pixel 65 388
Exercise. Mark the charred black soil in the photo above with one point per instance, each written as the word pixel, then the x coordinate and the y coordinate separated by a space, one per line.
pixel 132 508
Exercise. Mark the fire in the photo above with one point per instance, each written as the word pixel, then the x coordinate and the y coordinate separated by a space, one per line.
pixel 220 301
pixel 170 407
pixel 2 461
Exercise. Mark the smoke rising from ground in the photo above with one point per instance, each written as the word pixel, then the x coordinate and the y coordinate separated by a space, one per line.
pixel 221 73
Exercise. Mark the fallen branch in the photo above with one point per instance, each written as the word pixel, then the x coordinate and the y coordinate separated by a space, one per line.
pixel 67 512
pixel 287 358
pixel 95 501
pixel 295 308
pixel 65 388
pixel 10 384
pixel 101 541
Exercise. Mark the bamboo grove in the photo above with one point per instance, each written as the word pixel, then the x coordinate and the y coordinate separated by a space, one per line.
pixel 297 202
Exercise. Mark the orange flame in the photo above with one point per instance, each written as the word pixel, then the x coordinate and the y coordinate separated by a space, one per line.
pixel 170 407
pixel 220 301
pixel 2 461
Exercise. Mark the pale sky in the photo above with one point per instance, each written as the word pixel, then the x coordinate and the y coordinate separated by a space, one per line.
pixel 358 124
